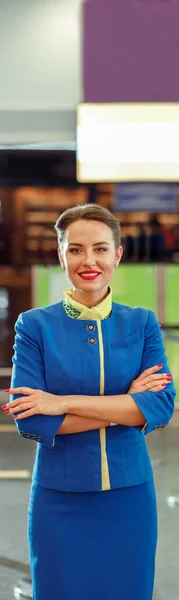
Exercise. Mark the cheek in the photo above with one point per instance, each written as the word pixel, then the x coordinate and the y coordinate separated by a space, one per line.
pixel 106 266
pixel 73 267
pixel 110 266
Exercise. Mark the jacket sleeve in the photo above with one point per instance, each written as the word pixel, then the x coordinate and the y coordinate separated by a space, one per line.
pixel 157 407
pixel 28 371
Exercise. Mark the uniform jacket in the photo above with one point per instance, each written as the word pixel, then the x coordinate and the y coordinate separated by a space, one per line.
pixel 66 348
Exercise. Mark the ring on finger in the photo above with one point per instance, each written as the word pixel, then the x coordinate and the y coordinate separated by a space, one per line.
pixel 147 386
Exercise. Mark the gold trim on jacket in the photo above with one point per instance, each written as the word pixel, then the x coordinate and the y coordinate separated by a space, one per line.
pixel 75 310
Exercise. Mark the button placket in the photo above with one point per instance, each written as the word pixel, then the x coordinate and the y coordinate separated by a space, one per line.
pixel 92 341
pixel 91 327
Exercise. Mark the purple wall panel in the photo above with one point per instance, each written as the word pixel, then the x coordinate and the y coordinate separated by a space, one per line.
pixel 131 50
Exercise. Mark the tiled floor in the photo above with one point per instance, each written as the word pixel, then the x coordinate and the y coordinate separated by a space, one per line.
pixel 16 453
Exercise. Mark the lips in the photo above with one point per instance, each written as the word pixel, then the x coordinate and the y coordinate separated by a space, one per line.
pixel 89 273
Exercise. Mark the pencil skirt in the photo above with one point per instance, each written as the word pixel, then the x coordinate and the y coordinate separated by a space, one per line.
pixel 92 545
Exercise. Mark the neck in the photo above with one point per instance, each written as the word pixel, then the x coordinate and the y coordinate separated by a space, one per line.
pixel 89 299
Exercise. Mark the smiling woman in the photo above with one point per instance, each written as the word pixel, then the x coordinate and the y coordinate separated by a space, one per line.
pixel 89 249
pixel 80 366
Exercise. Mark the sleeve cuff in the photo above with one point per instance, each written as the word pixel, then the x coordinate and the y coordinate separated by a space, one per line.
pixel 155 413
pixel 144 427
pixel 49 438
pixel 41 428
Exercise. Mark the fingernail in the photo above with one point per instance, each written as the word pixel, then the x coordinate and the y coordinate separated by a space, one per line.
pixel 159 365
pixel 169 376
pixel 6 390
pixel 163 384
pixel 7 412
pixel 3 406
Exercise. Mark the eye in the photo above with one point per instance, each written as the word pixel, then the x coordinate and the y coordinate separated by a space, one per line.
pixel 104 249
pixel 98 249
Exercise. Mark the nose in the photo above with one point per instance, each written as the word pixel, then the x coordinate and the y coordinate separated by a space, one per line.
pixel 89 260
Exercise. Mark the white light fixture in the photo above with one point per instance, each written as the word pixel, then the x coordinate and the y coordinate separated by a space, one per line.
pixel 128 142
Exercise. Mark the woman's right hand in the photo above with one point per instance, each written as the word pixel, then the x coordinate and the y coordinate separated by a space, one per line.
pixel 149 380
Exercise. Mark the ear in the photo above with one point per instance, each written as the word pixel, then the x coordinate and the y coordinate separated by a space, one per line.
pixel 119 254
pixel 60 257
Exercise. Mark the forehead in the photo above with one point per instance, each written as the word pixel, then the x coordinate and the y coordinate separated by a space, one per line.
pixel 82 231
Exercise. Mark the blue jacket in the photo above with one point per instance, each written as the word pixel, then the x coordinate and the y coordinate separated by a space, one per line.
pixel 63 356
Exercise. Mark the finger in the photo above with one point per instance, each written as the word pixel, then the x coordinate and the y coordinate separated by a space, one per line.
pixel 20 390
pixel 152 384
pixel 17 402
pixel 27 413
pixel 20 408
pixel 157 388
pixel 163 377
pixel 148 372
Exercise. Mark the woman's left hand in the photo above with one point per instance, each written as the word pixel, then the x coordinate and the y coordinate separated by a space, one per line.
pixel 35 402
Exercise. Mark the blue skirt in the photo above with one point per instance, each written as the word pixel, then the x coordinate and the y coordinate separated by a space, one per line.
pixel 93 546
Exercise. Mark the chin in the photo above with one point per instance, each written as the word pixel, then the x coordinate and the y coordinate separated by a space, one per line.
pixel 90 286
pixel 87 285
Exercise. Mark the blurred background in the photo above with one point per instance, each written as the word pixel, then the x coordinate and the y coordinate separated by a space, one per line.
pixel 55 55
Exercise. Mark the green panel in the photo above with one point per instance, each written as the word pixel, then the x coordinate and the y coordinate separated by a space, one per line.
pixel 42 283
pixel 135 285
pixel 172 294
pixel 42 287
pixel 172 350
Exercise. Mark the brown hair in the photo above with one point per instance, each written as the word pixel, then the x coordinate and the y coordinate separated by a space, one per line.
pixel 89 212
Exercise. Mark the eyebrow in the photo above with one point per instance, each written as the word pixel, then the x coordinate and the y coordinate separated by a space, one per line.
pixel 97 244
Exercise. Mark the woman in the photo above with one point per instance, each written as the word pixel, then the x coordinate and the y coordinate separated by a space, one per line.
pixel 96 380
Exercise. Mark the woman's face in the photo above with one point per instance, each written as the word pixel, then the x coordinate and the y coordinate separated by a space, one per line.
pixel 89 246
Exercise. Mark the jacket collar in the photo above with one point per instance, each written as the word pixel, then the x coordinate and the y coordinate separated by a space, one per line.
pixel 76 310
